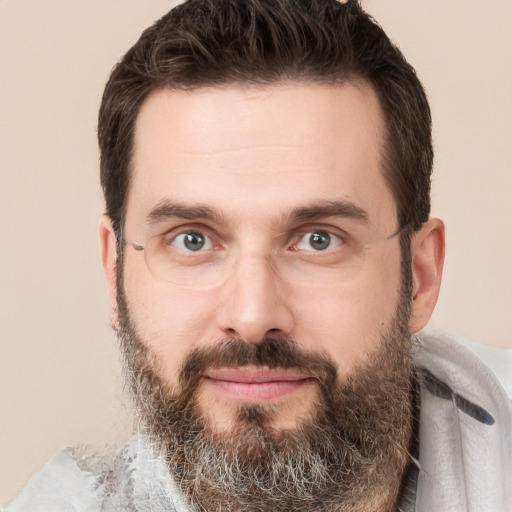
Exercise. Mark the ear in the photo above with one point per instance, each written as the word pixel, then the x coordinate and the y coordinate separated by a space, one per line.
pixel 427 251
pixel 108 254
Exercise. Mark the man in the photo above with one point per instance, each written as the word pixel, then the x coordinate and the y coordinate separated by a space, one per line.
pixel 270 258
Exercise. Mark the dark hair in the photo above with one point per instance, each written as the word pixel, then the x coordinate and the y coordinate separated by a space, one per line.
pixel 216 42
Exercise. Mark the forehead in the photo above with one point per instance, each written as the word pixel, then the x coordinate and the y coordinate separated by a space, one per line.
pixel 274 147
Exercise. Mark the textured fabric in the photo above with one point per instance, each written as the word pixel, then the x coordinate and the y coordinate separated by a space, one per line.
pixel 465 451
pixel 465 435
pixel 498 359
pixel 407 500
pixel 130 479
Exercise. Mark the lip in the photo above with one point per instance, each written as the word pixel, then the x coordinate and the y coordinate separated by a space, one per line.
pixel 255 385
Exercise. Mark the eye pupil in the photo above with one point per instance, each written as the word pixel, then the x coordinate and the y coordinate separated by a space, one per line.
pixel 194 241
pixel 320 240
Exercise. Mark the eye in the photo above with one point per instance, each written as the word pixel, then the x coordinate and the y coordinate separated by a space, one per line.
pixel 317 241
pixel 192 241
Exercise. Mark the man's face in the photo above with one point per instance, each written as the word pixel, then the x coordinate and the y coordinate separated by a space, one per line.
pixel 262 175
pixel 262 302
pixel 263 309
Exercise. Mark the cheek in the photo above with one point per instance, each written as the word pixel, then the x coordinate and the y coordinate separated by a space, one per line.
pixel 347 322
pixel 170 321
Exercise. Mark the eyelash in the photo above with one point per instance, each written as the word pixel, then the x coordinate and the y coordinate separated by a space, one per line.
pixel 339 237
pixel 170 236
pixel 334 239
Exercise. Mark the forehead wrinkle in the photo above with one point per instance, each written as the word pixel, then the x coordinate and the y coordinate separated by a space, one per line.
pixel 244 147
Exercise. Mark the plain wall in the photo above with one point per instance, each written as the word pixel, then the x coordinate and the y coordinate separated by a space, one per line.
pixel 59 371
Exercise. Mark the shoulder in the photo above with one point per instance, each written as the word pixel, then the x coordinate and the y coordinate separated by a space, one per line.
pixel 465 435
pixel 132 477
pixel 479 372
pixel 60 486
pixel 497 359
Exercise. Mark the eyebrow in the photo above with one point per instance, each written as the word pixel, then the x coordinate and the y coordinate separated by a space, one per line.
pixel 168 209
pixel 344 209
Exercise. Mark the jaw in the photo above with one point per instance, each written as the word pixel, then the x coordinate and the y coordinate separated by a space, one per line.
pixel 342 444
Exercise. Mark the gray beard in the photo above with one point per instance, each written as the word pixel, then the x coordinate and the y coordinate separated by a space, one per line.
pixel 349 454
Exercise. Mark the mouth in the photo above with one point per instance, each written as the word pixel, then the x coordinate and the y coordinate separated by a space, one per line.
pixel 255 384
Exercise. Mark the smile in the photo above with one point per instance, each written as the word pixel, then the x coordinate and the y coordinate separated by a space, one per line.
pixel 255 385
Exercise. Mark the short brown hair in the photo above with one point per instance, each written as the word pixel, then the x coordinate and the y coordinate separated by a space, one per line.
pixel 215 42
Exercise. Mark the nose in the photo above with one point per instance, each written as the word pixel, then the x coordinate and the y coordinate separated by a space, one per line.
pixel 254 302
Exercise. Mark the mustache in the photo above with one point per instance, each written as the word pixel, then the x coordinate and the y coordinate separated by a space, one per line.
pixel 271 352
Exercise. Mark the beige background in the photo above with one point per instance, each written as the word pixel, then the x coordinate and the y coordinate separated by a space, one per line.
pixel 59 376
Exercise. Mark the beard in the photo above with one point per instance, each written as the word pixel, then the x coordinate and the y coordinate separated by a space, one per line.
pixel 349 453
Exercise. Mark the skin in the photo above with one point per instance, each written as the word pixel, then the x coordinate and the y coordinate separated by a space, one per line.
pixel 253 155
